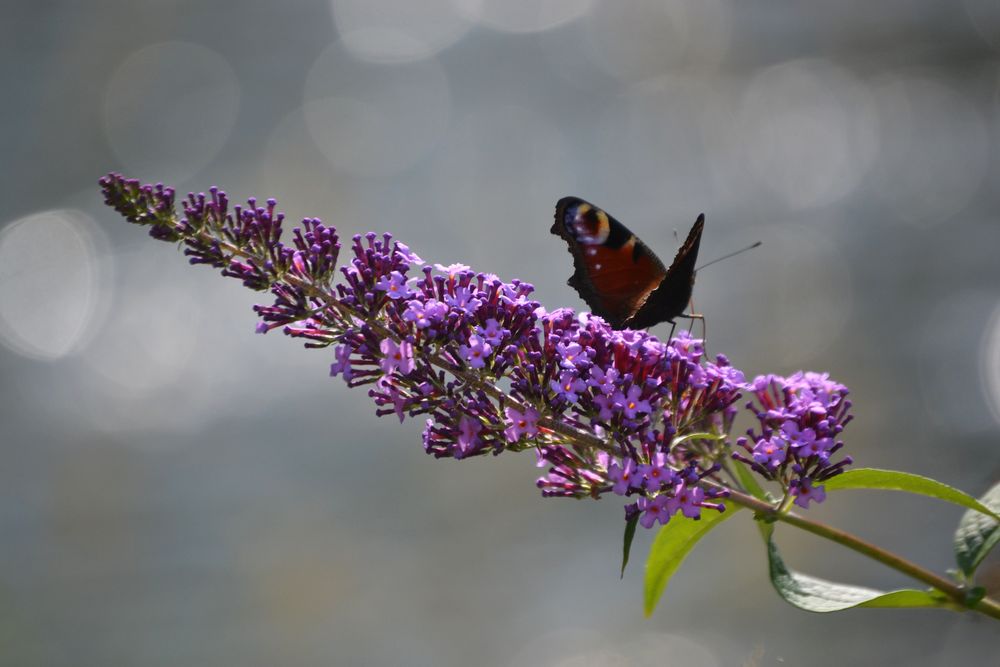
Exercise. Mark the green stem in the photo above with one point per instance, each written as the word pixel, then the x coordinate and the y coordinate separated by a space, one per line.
pixel 956 593
pixel 786 503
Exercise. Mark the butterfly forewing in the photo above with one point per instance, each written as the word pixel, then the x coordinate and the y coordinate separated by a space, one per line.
pixel 614 271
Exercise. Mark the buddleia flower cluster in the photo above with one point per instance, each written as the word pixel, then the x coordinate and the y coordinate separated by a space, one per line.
pixel 800 418
pixel 491 370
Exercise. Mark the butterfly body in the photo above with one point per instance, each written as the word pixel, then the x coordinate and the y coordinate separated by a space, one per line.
pixel 619 277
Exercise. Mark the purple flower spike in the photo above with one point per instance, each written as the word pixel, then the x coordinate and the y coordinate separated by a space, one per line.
pixel 416 312
pixel 521 424
pixel 656 473
pixel 624 412
pixel 407 254
pixel 805 492
pixel 571 355
pixel 394 285
pixel 799 419
pixel 451 270
pixel 492 332
pixel 604 405
pixel 621 474
pixel 691 349
pixel 463 300
pixel 769 453
pixel 653 510
pixel 342 366
pixel 687 499
pixel 468 436
pixel 568 386
pixel 603 380
pixel 397 356
pixel 476 352
pixel 630 403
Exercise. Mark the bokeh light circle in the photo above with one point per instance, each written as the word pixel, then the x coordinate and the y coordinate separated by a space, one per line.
pixel 500 171
pixel 809 132
pixel 934 149
pixel 521 16
pixel 394 31
pixel 375 119
pixel 799 286
pixel 653 135
pixel 148 338
pixel 51 270
pixel 169 108
pixel 989 363
pixel 655 37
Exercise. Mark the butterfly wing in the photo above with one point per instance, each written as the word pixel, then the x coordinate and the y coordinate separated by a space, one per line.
pixel 615 272
pixel 673 294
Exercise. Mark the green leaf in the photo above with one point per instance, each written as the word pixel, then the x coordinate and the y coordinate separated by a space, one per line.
pixel 892 480
pixel 629 536
pixel 750 483
pixel 819 595
pixel 672 545
pixel 977 534
pixel 696 436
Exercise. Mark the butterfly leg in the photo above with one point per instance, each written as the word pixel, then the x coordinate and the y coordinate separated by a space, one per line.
pixel 696 316
pixel 704 325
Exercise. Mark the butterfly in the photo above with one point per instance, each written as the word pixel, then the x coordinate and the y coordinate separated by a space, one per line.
pixel 617 274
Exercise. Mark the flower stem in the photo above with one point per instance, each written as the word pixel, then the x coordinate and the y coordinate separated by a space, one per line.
pixel 955 592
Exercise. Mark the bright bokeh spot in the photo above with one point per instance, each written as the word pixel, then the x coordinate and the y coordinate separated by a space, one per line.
pixel 169 108
pixel 961 324
pixel 148 338
pixel 523 15
pixel 50 282
pixel 809 132
pixel 655 37
pixel 797 284
pixel 934 149
pixel 501 188
pixel 375 119
pixel 393 31
pixel 645 132
pixel 989 363
pixel 293 169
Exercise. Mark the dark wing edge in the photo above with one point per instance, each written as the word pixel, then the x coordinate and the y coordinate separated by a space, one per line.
pixel 687 254
pixel 671 297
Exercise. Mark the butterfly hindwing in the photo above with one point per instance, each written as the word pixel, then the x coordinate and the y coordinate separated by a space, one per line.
pixel 614 271
pixel 673 294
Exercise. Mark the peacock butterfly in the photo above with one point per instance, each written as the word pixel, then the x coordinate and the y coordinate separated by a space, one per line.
pixel 617 274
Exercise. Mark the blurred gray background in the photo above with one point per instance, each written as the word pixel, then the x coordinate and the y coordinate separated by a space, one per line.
pixel 178 491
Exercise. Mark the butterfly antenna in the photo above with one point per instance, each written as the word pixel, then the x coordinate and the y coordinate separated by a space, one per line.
pixel 732 254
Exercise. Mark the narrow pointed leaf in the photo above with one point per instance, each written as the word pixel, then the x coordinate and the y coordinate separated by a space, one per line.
pixel 696 436
pixel 672 545
pixel 627 545
pixel 977 534
pixel 892 480
pixel 819 595
pixel 750 483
